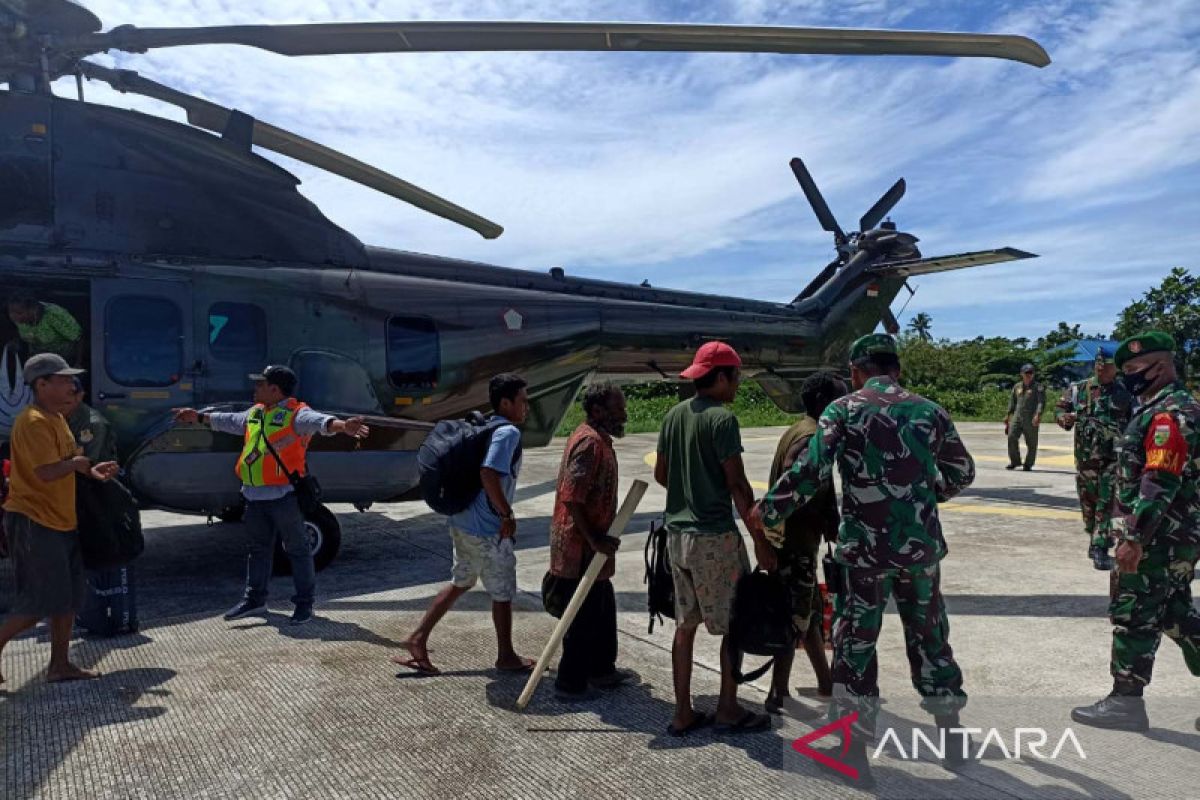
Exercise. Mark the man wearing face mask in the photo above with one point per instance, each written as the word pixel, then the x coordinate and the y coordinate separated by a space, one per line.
pixel 1098 410
pixel 1158 526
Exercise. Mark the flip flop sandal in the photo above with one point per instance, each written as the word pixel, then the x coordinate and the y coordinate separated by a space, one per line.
pixel 702 720
pixel 421 665
pixel 749 723
pixel 527 665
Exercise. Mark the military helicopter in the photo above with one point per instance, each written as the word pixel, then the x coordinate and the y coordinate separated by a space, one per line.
pixel 190 260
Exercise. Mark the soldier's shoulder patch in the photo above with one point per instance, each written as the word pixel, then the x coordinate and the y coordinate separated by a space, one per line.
pixel 1166 449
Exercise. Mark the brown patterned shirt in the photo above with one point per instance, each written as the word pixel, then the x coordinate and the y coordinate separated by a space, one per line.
pixel 588 476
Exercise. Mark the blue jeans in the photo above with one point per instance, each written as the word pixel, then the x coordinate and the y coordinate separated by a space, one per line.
pixel 266 519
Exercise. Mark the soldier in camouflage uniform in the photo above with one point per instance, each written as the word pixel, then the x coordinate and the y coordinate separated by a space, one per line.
pixel 1025 406
pixel 899 456
pixel 1158 525
pixel 1098 409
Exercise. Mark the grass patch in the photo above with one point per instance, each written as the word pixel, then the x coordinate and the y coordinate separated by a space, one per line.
pixel 648 404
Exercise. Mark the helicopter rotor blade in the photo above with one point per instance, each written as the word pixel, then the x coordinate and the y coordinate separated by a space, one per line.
pixel 427 36
pixel 882 206
pixel 214 117
pixel 824 215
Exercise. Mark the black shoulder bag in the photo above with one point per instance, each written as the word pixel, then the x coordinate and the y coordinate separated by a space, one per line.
pixel 307 488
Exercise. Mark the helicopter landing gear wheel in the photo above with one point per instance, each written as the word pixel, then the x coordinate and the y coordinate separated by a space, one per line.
pixel 324 537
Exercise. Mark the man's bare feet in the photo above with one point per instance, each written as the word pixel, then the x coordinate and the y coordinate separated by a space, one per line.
pixel 70 673
pixel 515 663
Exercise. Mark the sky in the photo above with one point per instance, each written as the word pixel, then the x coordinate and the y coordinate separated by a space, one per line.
pixel 674 167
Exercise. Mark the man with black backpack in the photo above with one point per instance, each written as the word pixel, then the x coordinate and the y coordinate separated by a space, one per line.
pixel 276 432
pixel 700 464
pixel 483 534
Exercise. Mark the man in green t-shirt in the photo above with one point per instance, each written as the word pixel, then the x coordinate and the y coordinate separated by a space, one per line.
pixel 46 327
pixel 700 465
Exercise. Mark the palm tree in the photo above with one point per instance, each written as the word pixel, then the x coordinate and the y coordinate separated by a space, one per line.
pixel 920 325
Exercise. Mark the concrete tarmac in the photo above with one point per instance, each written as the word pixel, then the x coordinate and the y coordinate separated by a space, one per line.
pixel 196 707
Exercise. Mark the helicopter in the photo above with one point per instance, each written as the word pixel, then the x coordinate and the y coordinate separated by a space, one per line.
pixel 190 260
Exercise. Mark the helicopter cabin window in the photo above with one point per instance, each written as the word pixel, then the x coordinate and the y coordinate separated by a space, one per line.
pixel 143 340
pixel 413 353
pixel 237 332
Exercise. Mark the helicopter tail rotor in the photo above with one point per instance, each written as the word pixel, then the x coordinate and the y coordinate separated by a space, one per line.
pixel 216 118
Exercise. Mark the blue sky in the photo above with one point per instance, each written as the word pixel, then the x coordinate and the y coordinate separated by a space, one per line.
pixel 675 167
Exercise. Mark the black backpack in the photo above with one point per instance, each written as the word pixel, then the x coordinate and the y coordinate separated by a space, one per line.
pixel 760 623
pixel 110 528
pixel 450 458
pixel 660 584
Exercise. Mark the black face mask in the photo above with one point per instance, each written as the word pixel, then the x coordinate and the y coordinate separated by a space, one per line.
pixel 1136 383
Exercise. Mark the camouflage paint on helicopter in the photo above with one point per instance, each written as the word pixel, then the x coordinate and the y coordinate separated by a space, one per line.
pixel 193 261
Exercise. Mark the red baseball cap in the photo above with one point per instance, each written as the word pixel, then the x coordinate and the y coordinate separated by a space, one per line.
pixel 710 356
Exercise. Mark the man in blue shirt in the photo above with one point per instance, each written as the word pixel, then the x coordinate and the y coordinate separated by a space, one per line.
pixel 482 536
pixel 271 505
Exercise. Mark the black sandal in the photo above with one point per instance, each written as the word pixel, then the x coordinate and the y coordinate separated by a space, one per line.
pixel 749 723
pixel 701 720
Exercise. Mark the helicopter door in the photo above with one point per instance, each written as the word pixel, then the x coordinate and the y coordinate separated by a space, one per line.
pixel 142 351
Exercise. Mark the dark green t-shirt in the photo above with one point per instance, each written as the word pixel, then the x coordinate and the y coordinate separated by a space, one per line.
pixel 697 436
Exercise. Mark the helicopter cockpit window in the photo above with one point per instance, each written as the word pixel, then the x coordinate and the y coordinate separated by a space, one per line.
pixel 143 343
pixel 413 353
pixel 237 332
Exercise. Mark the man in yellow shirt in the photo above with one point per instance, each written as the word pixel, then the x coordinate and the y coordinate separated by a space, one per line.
pixel 39 518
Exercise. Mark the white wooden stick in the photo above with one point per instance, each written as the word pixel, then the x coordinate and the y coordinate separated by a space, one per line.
pixel 585 585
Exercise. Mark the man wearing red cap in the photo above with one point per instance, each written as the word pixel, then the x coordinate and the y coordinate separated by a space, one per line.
pixel 700 465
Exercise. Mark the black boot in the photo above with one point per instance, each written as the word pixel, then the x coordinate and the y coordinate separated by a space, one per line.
pixel 1120 712
pixel 1101 560
pixel 958 745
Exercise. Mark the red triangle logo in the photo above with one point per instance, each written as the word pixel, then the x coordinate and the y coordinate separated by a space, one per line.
pixel 801 745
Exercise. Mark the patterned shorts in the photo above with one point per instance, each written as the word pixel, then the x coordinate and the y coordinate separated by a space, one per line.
pixel 706 568
pixel 486 558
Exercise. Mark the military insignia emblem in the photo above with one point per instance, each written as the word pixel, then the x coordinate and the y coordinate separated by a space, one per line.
pixel 86 436
pixel 1135 347
pixel 1162 435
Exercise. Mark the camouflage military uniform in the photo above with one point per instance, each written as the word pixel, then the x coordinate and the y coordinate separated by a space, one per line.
pixel 899 455
pixel 1159 506
pixel 1102 412
pixel 1025 404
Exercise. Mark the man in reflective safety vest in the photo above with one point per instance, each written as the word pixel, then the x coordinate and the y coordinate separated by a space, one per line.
pixel 271 506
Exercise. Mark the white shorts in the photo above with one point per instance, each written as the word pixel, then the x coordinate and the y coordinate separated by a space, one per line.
pixel 479 557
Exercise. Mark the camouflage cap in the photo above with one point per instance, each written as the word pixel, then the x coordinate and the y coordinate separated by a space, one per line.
pixel 1104 355
pixel 872 344
pixel 1148 342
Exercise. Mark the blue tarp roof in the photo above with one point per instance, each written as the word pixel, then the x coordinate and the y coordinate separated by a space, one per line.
pixel 1085 349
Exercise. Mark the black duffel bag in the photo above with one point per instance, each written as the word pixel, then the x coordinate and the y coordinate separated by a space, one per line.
pixel 110 527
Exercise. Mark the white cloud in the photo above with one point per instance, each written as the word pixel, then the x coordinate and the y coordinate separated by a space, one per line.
pixel 648 164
